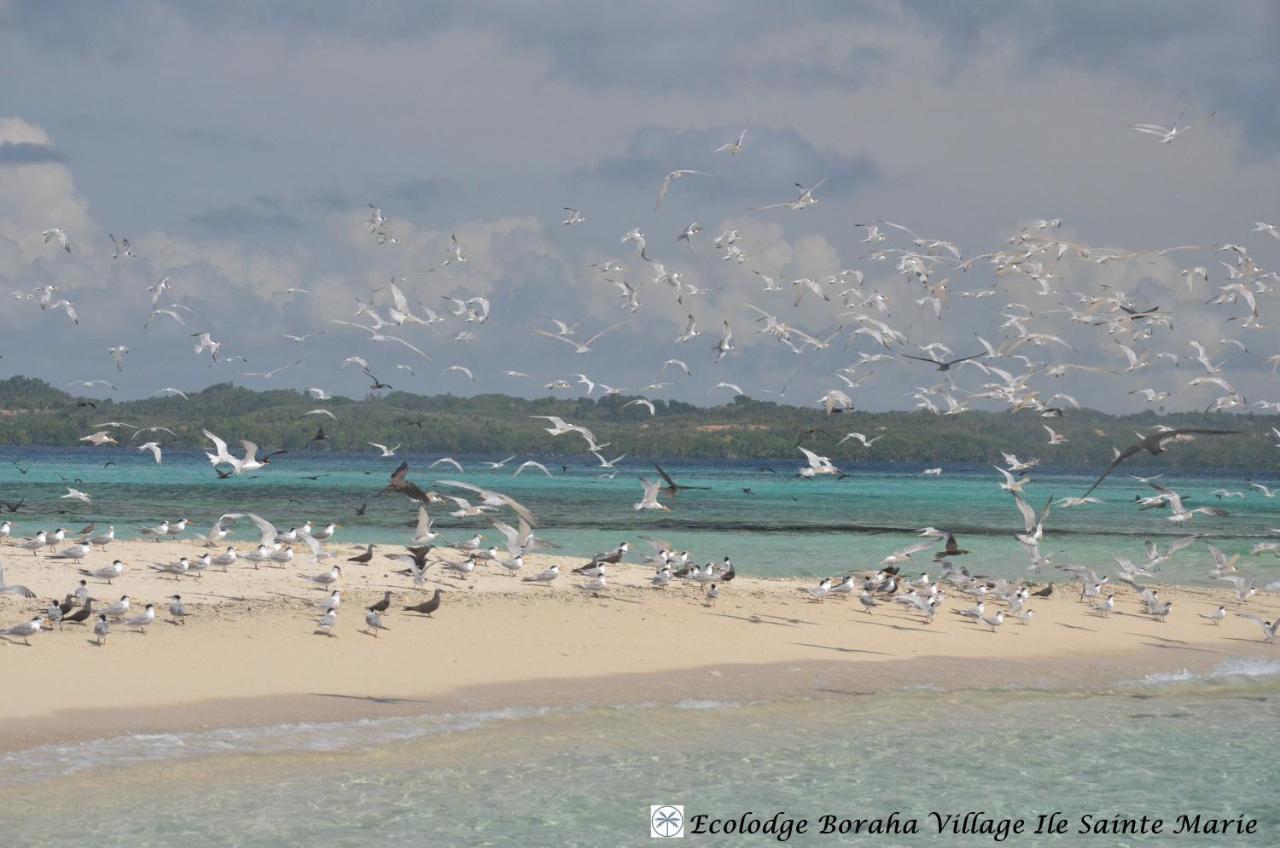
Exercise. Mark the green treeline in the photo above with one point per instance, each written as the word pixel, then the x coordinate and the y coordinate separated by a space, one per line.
pixel 34 413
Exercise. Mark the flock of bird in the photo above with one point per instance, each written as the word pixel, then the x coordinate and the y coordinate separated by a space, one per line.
pixel 1038 276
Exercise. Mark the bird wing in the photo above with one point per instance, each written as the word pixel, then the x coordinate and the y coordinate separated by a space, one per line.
pixel 401 341
pixel 267 529
pixel 591 340
pixel 1028 514
pixel 920 358
pixel 560 338
pixel 520 509
pixel 1120 457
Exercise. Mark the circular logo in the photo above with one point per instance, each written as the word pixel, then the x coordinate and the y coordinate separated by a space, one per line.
pixel 667 821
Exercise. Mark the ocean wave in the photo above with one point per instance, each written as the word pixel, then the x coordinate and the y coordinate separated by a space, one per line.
pixel 36 765
pixel 1235 668
pixel 702 704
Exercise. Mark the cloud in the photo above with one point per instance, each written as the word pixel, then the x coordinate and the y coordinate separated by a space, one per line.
pixel 26 153
pixel 1207 56
pixel 773 160
pixel 219 140
pixel 254 217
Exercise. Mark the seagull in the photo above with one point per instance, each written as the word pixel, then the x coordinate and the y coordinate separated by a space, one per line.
pixel 35 543
pixel 1168 134
pixel 866 443
pixel 13 588
pixel 993 621
pixel 545 576
pixel 1032 523
pixel 733 148
pixel 117 355
pixel 595 586
pixel 579 347
pixel 328 578
pixel 1269 628
pixel 373 621
pixel 805 199
pixel 385 451
pixel 326 623
pixel 77 552
pixel 177 612
pixel 448 460
pixel 154 447
pixel 121 247
pixel 650 498
pixel 575 217
pixel 1106 607
pixel 106 572
pixel 76 495
pixel 99 439
pixel 819 592
pixel 26 629
pixel 205 342
pixel 666 184
pixel 59 234
pixel 101 629
pixel 1216 616
pixel 531 464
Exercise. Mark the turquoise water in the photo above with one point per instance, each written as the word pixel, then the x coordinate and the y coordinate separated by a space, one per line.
pixel 1161 747
pixel 783 526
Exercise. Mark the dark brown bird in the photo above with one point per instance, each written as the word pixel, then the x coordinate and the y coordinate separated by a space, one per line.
pixel 943 366
pixel 381 606
pixel 80 615
pixel 1043 593
pixel 673 488
pixel 409 489
pixel 613 557
pixel 363 558
pixel 952 549
pixel 427 607
pixel 419 556
pixel 1154 445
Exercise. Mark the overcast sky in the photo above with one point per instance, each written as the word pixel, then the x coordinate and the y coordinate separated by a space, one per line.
pixel 237 146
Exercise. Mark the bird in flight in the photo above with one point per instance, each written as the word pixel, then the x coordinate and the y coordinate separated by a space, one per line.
pixel 1155 445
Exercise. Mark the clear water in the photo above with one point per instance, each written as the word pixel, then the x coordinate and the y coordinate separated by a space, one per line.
pixel 784 526
pixel 586 777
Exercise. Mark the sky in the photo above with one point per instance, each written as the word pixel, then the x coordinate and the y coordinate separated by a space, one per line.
pixel 238 146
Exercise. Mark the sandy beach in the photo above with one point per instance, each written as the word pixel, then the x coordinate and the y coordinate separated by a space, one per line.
pixel 250 654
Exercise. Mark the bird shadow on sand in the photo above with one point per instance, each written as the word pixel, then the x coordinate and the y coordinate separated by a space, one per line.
pixel 1076 627
pixel 373 699
pixel 783 618
pixel 840 650
pixel 1173 644
pixel 1163 639
pixel 758 619
pixel 872 621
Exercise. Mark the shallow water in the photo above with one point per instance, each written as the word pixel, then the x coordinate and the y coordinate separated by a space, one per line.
pixel 586 777
pixel 783 526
